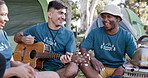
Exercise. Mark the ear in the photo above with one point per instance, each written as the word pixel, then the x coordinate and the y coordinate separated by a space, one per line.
pixel 118 19
pixel 49 14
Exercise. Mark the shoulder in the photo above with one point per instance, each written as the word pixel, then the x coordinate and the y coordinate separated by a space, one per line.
pixel 2 32
pixel 97 30
pixel 65 30
pixel 126 34
pixel 39 26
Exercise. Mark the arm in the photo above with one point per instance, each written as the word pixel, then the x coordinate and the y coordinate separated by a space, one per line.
pixel 19 37
pixel 19 69
pixel 130 45
pixel 24 71
pixel 130 48
pixel 120 70
pixel 15 63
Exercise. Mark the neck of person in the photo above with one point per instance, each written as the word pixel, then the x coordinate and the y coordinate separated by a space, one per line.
pixel 53 26
pixel 113 31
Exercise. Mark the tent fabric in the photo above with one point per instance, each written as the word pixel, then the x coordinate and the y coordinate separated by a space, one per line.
pixel 23 14
pixel 44 4
pixel 134 21
pixel 125 14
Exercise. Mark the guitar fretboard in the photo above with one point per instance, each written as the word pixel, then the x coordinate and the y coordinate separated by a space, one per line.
pixel 48 55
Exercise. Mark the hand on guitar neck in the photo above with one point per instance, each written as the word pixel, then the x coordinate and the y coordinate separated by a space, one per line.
pixel 66 58
pixel 35 55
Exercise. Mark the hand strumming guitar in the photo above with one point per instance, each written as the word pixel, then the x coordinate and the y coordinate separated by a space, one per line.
pixel 28 39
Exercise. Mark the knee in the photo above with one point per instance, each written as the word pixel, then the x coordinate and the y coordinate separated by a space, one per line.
pixel 47 74
pixel 72 70
pixel 73 67
pixel 54 75
pixel 85 67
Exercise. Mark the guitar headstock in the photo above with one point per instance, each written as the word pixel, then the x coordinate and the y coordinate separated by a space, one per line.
pixel 81 58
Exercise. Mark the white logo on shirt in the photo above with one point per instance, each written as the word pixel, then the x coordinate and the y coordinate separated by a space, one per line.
pixel 48 41
pixel 108 47
pixel 3 47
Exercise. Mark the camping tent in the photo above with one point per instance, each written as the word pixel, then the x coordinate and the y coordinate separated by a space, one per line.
pixel 25 13
pixel 130 22
pixel 134 21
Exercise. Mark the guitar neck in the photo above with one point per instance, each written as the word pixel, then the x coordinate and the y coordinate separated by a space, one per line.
pixel 48 55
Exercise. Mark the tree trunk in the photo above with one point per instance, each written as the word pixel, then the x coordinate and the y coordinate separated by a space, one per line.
pixel 92 10
pixel 86 13
pixel 69 14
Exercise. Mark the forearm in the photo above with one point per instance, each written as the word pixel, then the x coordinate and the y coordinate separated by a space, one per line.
pixel 9 72
pixel 84 50
pixel 18 37
pixel 16 63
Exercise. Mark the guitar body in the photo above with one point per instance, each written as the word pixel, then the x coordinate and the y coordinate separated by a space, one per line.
pixel 22 53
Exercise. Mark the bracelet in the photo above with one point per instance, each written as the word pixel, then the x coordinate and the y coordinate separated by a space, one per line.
pixel 123 66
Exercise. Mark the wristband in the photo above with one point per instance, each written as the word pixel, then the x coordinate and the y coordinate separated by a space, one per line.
pixel 123 66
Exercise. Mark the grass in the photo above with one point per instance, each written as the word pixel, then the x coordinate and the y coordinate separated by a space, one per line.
pixel 80 75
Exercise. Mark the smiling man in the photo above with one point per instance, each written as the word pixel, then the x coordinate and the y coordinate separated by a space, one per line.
pixel 110 44
pixel 57 39
pixel 15 69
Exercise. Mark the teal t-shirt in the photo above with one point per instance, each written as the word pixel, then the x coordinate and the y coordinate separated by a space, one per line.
pixel 5 47
pixel 56 41
pixel 110 49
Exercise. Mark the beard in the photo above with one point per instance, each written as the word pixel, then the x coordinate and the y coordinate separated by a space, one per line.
pixel 58 25
pixel 113 27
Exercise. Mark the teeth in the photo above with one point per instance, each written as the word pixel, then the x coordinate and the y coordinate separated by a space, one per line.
pixel 106 23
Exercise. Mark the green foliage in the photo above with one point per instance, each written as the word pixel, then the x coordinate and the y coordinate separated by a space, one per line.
pixel 75 12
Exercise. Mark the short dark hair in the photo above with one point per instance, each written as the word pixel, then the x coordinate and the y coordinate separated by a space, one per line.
pixel 56 5
pixel 2 2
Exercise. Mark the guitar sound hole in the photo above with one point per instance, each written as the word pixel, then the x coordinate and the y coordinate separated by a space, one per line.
pixel 32 54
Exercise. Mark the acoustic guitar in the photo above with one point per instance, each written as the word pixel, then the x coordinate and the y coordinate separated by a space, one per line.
pixel 35 55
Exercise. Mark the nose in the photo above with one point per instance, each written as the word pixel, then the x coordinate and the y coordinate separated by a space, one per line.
pixel 6 19
pixel 63 16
